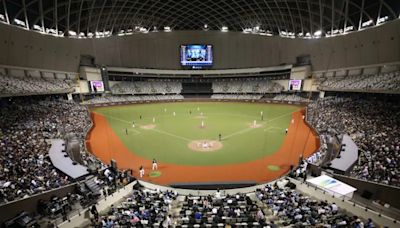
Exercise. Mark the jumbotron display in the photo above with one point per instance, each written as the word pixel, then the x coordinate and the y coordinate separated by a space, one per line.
pixel 196 56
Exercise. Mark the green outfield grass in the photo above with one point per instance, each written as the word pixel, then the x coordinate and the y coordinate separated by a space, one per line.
pixel 168 141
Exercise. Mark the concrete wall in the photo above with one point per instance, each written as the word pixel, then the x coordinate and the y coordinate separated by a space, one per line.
pixel 384 193
pixel 231 50
pixel 346 205
pixel 11 209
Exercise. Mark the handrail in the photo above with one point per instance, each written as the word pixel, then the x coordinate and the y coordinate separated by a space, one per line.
pixel 40 193
pixel 343 198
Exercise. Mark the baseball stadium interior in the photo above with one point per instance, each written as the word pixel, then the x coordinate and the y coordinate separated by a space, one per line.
pixel 200 113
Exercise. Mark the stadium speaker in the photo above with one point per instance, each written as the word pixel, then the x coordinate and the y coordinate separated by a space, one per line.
pixel 303 60
pixel 367 194
pixel 87 60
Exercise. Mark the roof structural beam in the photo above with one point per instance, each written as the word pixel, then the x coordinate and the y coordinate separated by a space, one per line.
pixel 320 16
pixel 41 14
pixel 276 22
pixel 291 17
pixel 361 14
pixel 79 18
pixel 379 12
pixel 244 23
pixel 265 16
pixel 346 15
pixel 340 16
pixel 25 15
pixel 126 15
pixel 147 13
pixel 6 11
pixel 301 17
pixel 154 12
pixel 134 16
pixel 68 16
pixel 310 18
pixel 56 16
pixel 90 17
pixel 332 16
pixel 280 12
pixel 109 14
pixel 390 9
pixel 117 16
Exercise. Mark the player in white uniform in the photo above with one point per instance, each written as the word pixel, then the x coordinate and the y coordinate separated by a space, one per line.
pixel 154 164
pixel 141 171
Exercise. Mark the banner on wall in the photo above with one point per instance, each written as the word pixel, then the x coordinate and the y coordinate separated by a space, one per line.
pixel 295 84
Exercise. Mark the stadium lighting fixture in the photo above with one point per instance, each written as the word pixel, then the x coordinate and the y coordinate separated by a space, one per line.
pixel 2 18
pixel 224 29
pixel 37 27
pixel 205 26
pixel 19 22
pixel 129 32
pixel 382 19
pixel 71 33
pixel 167 29
pixel 49 30
pixel 246 30
pixel 367 23
pixel 143 30
pixel 349 28
pixel 318 33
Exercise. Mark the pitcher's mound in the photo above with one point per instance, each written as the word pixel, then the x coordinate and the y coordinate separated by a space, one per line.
pixel 148 126
pixel 255 126
pixel 205 145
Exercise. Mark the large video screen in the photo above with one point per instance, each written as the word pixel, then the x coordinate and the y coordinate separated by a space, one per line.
pixel 196 56
pixel 96 86
pixel 294 84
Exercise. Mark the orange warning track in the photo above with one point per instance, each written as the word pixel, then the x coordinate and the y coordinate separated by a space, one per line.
pixel 106 145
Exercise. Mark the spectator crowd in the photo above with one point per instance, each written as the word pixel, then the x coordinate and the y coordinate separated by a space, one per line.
pixel 25 127
pixel 373 124
pixel 274 205
pixel 28 85
pixel 294 209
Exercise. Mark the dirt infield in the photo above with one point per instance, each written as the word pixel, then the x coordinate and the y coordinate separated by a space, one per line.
pixel 205 145
pixel 148 126
pixel 103 142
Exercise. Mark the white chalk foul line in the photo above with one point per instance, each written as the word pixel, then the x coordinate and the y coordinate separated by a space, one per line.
pixel 250 129
pixel 115 118
pixel 170 134
pixel 154 129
